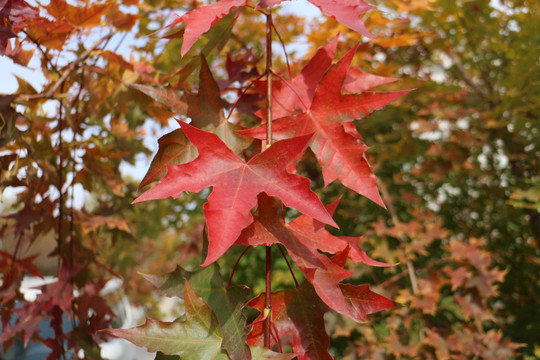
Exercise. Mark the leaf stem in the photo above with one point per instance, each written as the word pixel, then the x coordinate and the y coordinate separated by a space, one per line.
pixel 242 94
pixel 269 79
pixel 236 265
pixel 293 90
pixel 268 297
pixel 289 265
pixel 284 51
pixel 276 337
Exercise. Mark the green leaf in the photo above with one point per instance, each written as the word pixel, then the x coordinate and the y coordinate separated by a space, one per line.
pixel 162 356
pixel 199 337
pixel 172 284
pixel 227 303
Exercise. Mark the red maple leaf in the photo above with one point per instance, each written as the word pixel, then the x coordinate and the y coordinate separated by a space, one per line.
pixel 338 147
pixel 358 81
pixel 268 228
pixel 200 20
pixel 299 92
pixel 236 185
pixel 303 238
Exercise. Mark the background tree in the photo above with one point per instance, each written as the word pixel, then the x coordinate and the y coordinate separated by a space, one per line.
pixel 461 167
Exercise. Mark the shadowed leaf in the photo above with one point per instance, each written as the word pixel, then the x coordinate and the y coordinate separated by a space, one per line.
pixel 199 337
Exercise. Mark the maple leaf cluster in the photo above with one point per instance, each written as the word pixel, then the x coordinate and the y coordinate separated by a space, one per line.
pixel 324 123
pixel 315 109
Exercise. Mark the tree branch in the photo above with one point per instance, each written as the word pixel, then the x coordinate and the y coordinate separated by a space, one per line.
pixel 66 73
pixel 395 220
pixel 466 76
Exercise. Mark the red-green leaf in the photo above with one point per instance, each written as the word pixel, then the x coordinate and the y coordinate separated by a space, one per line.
pixel 174 149
pixel 262 353
pixel 227 303
pixel 18 266
pixel 30 315
pixel 206 111
pixel 25 218
pixel 268 228
pixel 300 313
pixel 201 20
pixel 236 185
pixel 205 107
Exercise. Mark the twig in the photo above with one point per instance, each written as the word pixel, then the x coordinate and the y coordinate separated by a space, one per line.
pixel 235 266
pixel 289 265
pixel 42 51
pixel 65 74
pixel 469 80
pixel 60 177
pixel 241 95
pixel 276 338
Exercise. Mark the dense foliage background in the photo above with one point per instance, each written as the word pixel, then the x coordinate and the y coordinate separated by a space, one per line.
pixel 457 158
